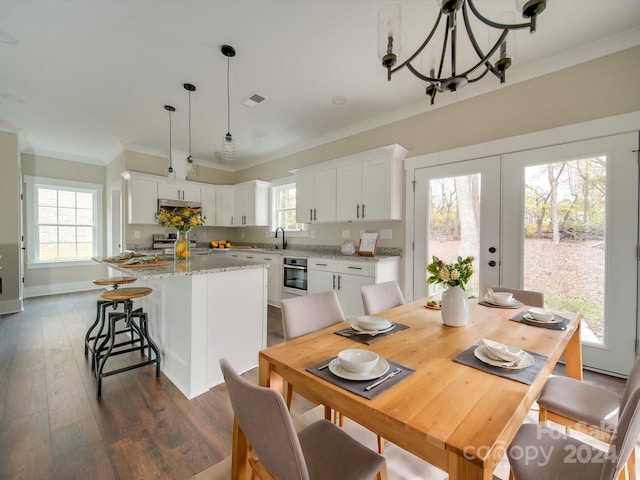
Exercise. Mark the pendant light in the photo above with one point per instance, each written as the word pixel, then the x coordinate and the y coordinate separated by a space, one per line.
pixel 171 175
pixel 189 166
pixel 228 145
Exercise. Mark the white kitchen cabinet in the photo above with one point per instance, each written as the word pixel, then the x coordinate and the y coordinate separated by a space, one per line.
pixel 346 277
pixel 252 204
pixel 274 272
pixel 208 200
pixel 316 196
pixel 142 199
pixel 370 190
pixel 225 204
pixel 178 191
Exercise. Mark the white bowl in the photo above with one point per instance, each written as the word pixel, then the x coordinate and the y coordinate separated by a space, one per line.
pixel 541 314
pixel 357 360
pixel 502 298
pixel 367 322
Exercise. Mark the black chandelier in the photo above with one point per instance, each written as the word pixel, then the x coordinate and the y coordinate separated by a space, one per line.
pixel 440 79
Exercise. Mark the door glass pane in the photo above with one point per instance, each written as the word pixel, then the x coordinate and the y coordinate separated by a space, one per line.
pixel 454 222
pixel 564 247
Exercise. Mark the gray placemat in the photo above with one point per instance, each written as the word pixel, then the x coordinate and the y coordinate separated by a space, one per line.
pixel 358 387
pixel 369 339
pixel 525 375
pixel 492 305
pixel 519 317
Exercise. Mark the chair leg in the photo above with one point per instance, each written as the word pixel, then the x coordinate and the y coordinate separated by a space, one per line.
pixel 382 474
pixel 542 416
pixel 380 445
pixel 511 477
pixel 631 465
pixel 289 395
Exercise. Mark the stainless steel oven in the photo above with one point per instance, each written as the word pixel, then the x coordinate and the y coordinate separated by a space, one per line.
pixel 294 277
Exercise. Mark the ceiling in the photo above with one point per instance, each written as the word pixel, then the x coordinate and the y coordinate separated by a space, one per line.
pixel 83 80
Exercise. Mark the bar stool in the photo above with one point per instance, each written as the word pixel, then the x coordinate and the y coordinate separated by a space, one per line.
pixel 109 347
pixel 90 340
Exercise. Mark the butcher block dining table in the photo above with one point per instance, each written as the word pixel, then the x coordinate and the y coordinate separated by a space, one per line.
pixel 456 417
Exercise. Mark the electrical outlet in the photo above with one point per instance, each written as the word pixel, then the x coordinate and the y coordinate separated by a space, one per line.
pixel 386 234
pixel 346 234
pixel 136 234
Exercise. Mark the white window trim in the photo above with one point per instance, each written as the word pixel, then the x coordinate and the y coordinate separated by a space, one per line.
pixel 32 215
pixel 275 184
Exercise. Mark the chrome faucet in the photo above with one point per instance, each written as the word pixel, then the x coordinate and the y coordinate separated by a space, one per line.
pixel 284 242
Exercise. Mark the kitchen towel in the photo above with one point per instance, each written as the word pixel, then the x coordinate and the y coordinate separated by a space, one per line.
pixel 358 387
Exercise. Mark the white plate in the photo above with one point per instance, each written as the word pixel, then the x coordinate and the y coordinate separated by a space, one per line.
pixel 529 318
pixel 514 303
pixel 367 322
pixel 480 355
pixel 359 329
pixel 380 369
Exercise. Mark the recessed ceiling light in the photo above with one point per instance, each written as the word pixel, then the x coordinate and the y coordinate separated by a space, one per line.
pixel 339 100
pixel 7 38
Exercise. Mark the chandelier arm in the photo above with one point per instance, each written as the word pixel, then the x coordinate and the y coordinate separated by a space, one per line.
pixel 483 58
pixel 481 76
pixel 453 26
pixel 421 47
pixel 493 24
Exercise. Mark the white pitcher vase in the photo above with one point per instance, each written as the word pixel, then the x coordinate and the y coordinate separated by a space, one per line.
pixel 455 307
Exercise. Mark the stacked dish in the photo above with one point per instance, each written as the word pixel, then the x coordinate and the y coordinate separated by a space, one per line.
pixel 358 364
pixel 504 356
pixel 502 299
pixel 540 315
pixel 371 325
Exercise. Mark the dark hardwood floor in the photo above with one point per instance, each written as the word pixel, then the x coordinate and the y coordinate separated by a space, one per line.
pixel 52 426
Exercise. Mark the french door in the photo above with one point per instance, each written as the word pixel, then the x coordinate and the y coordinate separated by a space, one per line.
pixel 560 219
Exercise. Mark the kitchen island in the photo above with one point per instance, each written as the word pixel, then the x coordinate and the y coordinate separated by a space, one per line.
pixel 201 310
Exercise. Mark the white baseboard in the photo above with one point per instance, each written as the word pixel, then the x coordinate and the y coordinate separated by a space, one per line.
pixel 57 288
pixel 10 306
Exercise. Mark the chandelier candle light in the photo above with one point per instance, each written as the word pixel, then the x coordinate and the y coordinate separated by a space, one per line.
pixel 439 79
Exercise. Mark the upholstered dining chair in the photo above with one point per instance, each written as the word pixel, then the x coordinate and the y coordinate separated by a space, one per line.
pixel 540 452
pixel 528 297
pixel 586 408
pixel 381 296
pixel 309 313
pixel 318 452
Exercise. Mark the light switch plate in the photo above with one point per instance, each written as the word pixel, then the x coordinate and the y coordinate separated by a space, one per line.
pixel 386 234
pixel 136 234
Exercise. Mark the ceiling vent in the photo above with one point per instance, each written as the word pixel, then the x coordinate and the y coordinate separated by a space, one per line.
pixel 253 100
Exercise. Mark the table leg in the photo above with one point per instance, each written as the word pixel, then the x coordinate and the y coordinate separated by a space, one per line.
pixel 239 454
pixel 573 355
pixel 461 468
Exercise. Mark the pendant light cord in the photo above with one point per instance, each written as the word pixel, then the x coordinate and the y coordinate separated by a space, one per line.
pixel 170 163
pixel 190 125
pixel 228 100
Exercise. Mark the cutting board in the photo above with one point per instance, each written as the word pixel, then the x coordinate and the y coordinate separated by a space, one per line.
pixel 162 263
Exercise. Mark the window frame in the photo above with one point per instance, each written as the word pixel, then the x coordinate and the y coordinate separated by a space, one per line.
pixel 276 187
pixel 33 183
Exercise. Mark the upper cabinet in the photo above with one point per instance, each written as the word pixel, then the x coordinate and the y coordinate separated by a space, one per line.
pixel 142 198
pixel 208 200
pixel 316 196
pixel 365 186
pixel 225 204
pixel 252 204
pixel 178 191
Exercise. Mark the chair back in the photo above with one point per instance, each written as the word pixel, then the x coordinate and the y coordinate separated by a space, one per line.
pixel 265 421
pixel 309 313
pixel 381 296
pixel 624 437
pixel 528 297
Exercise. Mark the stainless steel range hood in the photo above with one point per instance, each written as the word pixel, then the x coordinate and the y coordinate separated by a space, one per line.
pixel 166 203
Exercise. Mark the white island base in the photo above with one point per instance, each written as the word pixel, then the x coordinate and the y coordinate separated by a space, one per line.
pixel 197 319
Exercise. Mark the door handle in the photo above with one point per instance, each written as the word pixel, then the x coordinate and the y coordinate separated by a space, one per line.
pixel 315 216
pixel 358 211
pixel 311 214
pixel 334 282
pixel 363 210
pixel 338 282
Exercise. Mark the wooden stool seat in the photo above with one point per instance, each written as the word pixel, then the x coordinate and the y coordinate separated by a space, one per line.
pixel 126 293
pixel 114 281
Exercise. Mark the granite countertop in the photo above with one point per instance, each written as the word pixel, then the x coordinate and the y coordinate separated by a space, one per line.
pixel 304 254
pixel 197 265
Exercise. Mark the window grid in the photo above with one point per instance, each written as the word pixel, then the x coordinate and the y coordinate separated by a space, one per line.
pixel 285 208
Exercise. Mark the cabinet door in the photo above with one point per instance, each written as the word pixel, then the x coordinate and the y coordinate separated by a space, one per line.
pixel 350 295
pixel 190 194
pixel 142 201
pixel 274 285
pixel 209 207
pixel 376 190
pixel 305 198
pixel 225 200
pixel 243 203
pixel 325 196
pixel 318 281
pixel 169 191
pixel 349 194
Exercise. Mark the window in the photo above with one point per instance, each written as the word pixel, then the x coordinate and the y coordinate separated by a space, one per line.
pixel 63 221
pixel 284 208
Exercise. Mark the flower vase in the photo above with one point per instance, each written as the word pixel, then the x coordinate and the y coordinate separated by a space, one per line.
pixel 455 307
pixel 182 247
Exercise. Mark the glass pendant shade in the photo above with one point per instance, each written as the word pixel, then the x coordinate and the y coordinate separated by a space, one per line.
pixel 190 168
pixel 228 147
